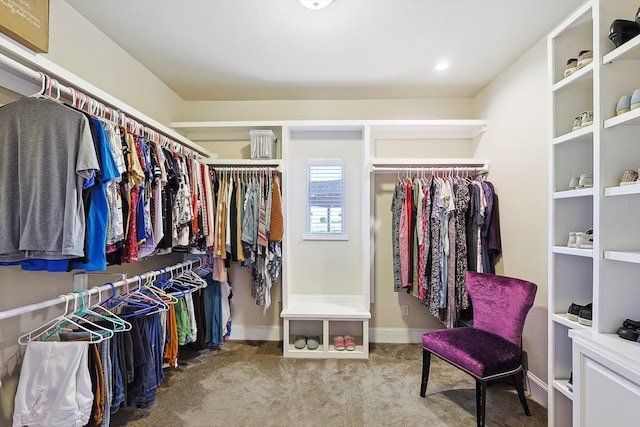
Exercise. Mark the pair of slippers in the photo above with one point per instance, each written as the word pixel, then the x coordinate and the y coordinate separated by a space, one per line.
pixel 347 342
pixel 311 343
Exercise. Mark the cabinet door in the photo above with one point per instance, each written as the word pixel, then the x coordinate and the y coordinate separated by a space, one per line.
pixel 606 397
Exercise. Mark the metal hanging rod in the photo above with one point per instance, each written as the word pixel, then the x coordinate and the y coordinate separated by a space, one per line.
pixel 101 108
pixel 186 265
pixel 453 165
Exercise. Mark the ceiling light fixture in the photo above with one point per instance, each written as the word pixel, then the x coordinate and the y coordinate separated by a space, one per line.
pixel 441 66
pixel 315 4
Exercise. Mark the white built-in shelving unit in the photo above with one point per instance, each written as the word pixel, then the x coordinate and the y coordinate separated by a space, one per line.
pixel 312 311
pixel 606 275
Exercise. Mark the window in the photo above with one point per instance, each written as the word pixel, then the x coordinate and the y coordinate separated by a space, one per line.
pixel 325 199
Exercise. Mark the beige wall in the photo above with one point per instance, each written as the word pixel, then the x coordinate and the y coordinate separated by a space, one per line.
pixel 329 110
pixel 78 46
pixel 515 106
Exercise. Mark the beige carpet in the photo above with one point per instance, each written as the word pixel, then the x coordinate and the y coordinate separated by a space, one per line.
pixel 251 384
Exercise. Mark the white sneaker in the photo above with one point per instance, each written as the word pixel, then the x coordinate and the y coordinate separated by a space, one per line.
pixel 572 243
pixel 584 240
pixel 574 182
pixel 585 181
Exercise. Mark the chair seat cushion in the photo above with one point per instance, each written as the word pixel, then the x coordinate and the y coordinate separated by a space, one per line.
pixel 481 354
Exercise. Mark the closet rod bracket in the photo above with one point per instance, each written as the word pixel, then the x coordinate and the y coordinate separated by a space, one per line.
pixel 81 280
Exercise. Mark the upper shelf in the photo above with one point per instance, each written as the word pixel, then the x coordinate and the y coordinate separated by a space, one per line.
pixel 627 52
pixel 379 129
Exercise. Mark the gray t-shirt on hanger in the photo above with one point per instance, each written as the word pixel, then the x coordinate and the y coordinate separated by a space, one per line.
pixel 46 154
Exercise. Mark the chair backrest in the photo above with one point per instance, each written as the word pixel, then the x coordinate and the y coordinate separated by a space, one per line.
pixel 500 304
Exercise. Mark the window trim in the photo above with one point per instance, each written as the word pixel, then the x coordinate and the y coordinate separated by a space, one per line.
pixel 308 235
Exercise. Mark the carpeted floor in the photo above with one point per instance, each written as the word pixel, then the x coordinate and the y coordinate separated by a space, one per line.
pixel 251 384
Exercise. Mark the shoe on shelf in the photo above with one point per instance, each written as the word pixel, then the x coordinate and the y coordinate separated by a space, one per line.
pixel 570 382
pixel 584 317
pixel 577 123
pixel 349 343
pixel 574 311
pixel 629 177
pixel 630 330
pixel 338 343
pixel 574 182
pixel 571 243
pixel 586 180
pixel 623 30
pixel 584 240
pixel 300 342
pixel 313 342
pixel 584 57
pixel 572 67
pixel 624 105
pixel 635 99
pixel 586 118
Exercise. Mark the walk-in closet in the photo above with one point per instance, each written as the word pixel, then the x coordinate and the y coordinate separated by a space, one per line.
pixel 251 212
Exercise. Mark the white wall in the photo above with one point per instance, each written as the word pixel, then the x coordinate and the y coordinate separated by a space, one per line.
pixel 516 107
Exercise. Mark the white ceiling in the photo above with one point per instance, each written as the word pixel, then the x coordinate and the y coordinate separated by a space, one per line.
pixel 353 49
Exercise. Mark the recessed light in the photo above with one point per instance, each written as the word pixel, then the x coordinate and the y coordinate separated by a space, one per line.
pixel 440 66
pixel 315 4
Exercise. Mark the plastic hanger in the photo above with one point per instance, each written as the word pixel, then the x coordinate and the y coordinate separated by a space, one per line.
pixel 102 313
pixel 77 315
pixel 119 301
pixel 58 323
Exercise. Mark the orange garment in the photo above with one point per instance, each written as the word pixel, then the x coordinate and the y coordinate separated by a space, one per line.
pixel 170 355
pixel 277 218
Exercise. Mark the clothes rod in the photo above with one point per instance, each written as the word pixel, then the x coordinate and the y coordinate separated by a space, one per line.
pixel 39 78
pixel 18 311
pixel 244 168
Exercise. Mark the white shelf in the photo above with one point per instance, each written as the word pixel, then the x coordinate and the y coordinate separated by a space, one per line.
pixel 380 129
pixel 582 74
pixel 625 256
pixel 584 134
pixel 570 194
pixel 561 386
pixel 572 251
pixel 563 319
pixel 630 118
pixel 325 307
pixel 622 190
pixel 627 52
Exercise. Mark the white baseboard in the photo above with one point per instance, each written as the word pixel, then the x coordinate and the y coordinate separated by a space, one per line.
pixel 396 335
pixel 538 389
pixel 256 333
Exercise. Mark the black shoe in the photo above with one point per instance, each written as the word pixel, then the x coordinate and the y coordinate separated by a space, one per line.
pixel 628 333
pixel 570 383
pixel 630 330
pixel 622 30
pixel 574 311
pixel 584 317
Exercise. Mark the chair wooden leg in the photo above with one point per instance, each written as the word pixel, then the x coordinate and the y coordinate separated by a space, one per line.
pixel 518 379
pixel 481 400
pixel 426 364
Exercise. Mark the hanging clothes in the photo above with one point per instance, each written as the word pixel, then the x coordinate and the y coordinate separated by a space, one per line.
pixel 441 228
pixel 43 135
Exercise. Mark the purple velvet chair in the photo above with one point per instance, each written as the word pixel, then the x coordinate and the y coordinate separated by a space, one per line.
pixel 491 349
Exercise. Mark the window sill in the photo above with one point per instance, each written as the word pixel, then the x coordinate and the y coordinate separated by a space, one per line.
pixel 334 237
